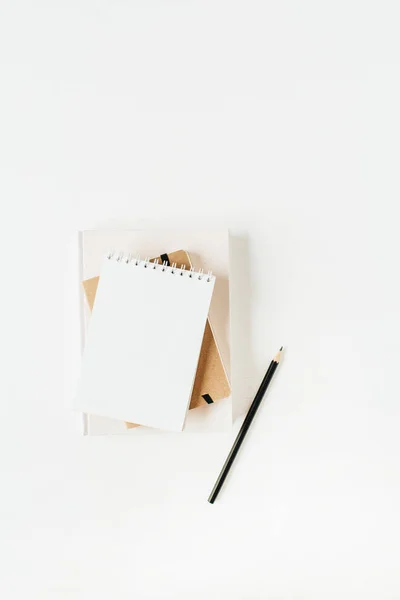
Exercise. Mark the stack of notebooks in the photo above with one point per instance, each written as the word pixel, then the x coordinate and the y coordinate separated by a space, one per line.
pixel 155 331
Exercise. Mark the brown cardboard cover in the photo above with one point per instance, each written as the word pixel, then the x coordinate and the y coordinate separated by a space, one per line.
pixel 210 376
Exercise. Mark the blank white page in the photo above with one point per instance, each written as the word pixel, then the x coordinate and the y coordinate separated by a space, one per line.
pixel 144 319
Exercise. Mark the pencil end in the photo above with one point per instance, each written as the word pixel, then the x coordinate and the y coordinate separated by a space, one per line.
pixel 280 349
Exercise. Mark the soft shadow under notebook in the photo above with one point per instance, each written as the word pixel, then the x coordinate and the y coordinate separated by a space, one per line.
pixel 144 314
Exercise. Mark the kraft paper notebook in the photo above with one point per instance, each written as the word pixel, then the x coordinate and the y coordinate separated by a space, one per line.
pixel 208 249
pixel 211 383
pixel 125 372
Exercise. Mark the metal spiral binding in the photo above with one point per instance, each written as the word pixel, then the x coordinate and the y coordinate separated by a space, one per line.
pixel 136 261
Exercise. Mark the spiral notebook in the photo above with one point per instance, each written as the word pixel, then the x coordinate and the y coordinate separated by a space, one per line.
pixel 211 383
pixel 125 372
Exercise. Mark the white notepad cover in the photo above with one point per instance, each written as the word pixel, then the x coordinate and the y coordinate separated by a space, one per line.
pixel 142 317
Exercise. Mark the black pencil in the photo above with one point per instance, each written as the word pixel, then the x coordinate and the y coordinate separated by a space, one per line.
pixel 245 427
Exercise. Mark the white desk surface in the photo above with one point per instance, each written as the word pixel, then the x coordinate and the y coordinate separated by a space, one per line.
pixel 280 119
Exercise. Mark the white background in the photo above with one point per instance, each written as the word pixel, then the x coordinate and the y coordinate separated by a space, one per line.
pixel 282 120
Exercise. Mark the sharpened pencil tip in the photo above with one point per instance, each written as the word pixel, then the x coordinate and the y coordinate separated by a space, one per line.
pixel 280 349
